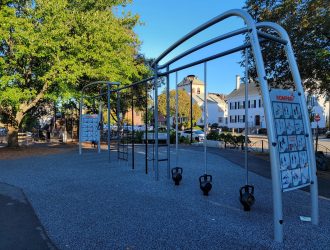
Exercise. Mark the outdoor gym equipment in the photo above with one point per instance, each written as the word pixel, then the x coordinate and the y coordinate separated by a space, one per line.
pixel 205 181
pixel 247 198
pixel 92 125
pixel 280 179
pixel 177 175
pixel 176 171
pixel 273 100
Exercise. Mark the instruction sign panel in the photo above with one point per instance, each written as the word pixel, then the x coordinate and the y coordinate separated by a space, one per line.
pixel 290 129
pixel 90 128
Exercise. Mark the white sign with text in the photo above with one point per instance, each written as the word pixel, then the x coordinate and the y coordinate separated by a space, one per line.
pixel 291 139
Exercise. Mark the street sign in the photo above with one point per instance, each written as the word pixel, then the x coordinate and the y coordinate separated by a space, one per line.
pixel 317 118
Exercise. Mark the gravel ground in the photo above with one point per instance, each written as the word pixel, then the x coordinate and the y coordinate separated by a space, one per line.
pixel 84 202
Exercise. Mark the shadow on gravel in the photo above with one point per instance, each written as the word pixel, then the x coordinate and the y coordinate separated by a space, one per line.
pixel 20 228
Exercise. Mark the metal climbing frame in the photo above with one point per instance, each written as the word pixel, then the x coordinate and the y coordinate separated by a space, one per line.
pixel 107 85
pixel 125 140
pixel 255 37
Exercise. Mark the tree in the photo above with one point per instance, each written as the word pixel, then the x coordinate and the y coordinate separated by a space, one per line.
pixel 308 25
pixel 51 48
pixel 183 105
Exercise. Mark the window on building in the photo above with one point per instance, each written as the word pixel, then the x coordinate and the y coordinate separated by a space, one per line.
pixel 198 91
pixel 243 104
pixel 220 119
pixel 260 103
pixel 249 104
pixel 232 119
pixel 235 105
pixel 254 103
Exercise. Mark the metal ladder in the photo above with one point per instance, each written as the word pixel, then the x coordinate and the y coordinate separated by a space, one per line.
pixel 123 140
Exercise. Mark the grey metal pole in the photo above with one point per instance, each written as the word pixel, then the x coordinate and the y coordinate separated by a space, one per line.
pixel 80 123
pixel 118 124
pixel 100 119
pixel 168 121
pixel 277 190
pixel 109 128
pixel 133 134
pixel 176 119
pixel 297 80
pixel 146 130
pixel 246 115
pixel 156 121
pixel 205 116
pixel 191 122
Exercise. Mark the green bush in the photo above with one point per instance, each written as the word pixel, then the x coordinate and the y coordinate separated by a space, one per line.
pixel 213 135
pixel 138 135
pixel 184 140
pixel 172 137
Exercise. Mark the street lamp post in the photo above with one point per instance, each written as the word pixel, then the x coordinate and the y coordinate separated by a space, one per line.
pixel 191 122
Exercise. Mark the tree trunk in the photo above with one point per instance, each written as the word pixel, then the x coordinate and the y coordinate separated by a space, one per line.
pixel 12 136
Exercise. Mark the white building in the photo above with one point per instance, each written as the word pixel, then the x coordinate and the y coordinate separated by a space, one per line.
pixel 318 106
pixel 236 107
pixel 256 117
pixel 217 107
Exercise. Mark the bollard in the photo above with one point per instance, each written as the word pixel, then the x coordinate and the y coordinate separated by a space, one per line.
pixel 246 197
pixel 177 175
pixel 205 183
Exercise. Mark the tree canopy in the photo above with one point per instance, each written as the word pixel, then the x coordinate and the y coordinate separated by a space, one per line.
pixel 51 48
pixel 183 105
pixel 308 25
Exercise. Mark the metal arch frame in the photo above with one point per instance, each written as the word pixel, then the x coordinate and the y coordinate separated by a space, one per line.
pixel 253 36
pixel 297 80
pixel 108 84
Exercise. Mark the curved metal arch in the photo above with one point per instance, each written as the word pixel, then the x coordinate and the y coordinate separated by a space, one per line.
pixel 235 12
pixel 203 45
pixel 98 82
pixel 297 80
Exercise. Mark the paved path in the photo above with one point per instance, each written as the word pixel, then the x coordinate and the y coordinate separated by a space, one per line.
pixel 84 202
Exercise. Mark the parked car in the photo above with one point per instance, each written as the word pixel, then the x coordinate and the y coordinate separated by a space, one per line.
pixel 3 131
pixel 327 134
pixel 197 135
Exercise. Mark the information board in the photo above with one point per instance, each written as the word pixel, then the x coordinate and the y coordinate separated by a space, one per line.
pixel 90 128
pixel 293 153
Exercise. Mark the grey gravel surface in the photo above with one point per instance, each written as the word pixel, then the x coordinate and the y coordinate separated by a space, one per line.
pixel 84 202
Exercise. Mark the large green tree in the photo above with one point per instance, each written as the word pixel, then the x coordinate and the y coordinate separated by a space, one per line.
pixel 51 48
pixel 183 105
pixel 308 25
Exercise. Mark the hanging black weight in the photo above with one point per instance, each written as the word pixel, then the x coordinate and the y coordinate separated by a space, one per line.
pixel 177 175
pixel 205 183
pixel 246 197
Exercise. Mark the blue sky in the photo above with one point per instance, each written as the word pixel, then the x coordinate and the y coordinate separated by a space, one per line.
pixel 167 21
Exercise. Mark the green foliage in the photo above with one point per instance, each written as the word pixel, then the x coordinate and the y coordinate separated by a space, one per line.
pixel 308 24
pixel 51 48
pixel 138 135
pixel 213 135
pixel 184 140
pixel 183 106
